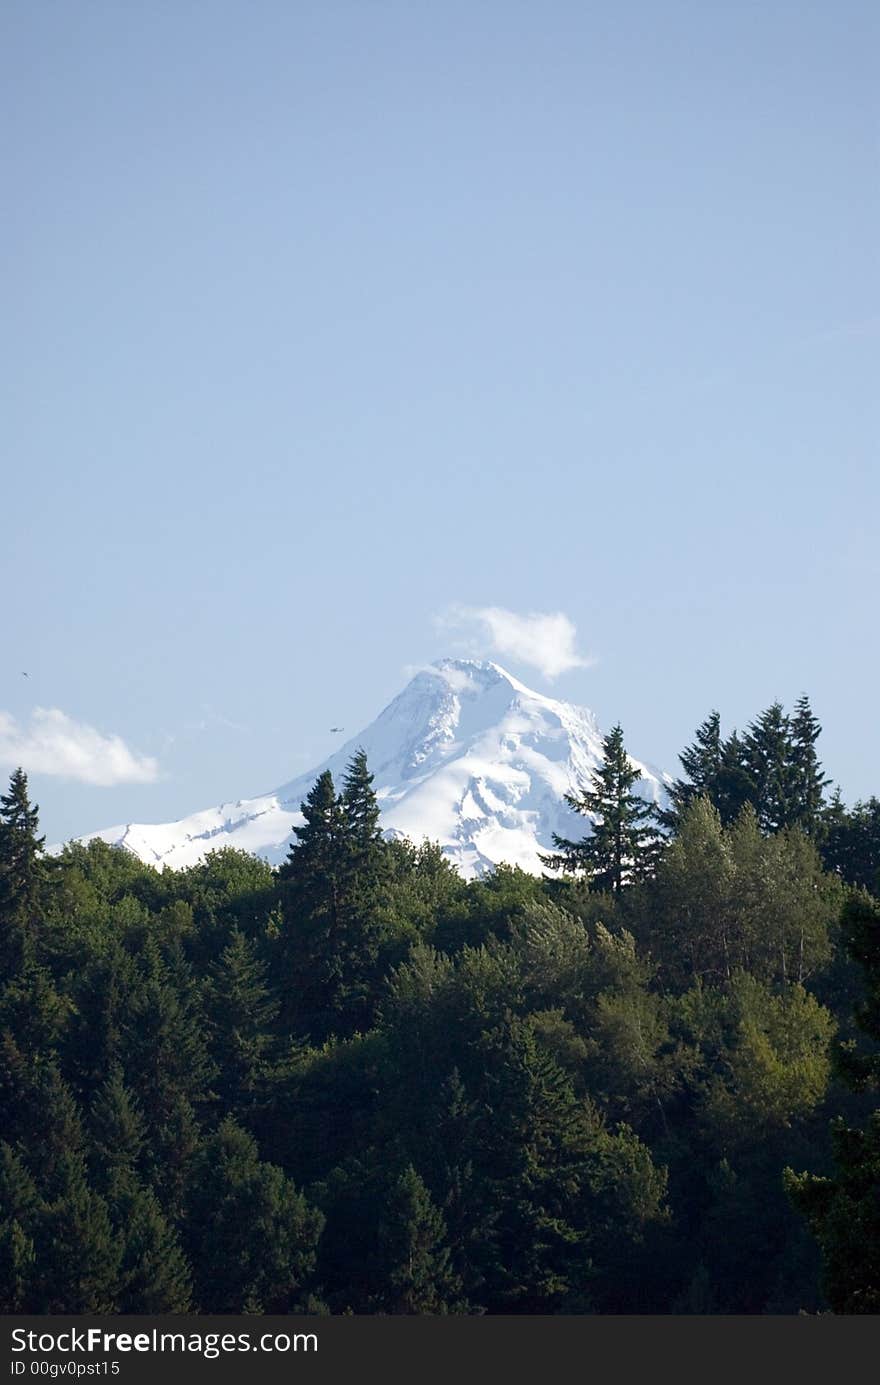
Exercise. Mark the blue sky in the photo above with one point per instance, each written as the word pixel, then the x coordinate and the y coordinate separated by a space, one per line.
pixel 324 321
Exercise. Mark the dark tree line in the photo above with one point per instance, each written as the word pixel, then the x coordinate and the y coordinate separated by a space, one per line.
pixel 361 1083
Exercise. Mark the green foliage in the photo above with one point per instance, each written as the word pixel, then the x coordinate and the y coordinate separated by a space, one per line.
pixel 731 898
pixel 363 1084
pixel 414 1259
pixel 844 1210
pixel 769 1060
pixel 251 1236
pixel 844 1213
pixel 623 844
pixel 154 1275
pixel 240 1011
pixel 21 875
pixel 850 842
pixel 773 768
pixel 78 1251
pixel 19 1205
pixel 162 1047
pixel 332 886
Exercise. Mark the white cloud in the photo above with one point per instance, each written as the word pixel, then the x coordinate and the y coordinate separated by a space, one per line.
pixel 546 641
pixel 53 743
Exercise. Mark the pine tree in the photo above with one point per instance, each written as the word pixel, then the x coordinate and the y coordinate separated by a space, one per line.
pixel 850 842
pixel 769 762
pixel 316 862
pixel 566 1191
pixel 452 1149
pixel 366 892
pixel 20 874
pixel 313 880
pixel 103 993
pixel 844 1210
pixel 810 782
pixel 153 1274
pixel 734 787
pixel 118 1133
pixel 413 1252
pixel 331 886
pixel 19 1204
pixel 622 846
pixel 39 1113
pixel 716 770
pixel 702 764
pixel 250 1234
pixel 361 810
pixel 31 1009
pixel 78 1252
pixel 241 1013
pixel 173 1146
pixel 162 1048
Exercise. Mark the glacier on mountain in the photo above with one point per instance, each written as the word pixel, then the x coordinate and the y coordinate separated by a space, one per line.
pixel 465 755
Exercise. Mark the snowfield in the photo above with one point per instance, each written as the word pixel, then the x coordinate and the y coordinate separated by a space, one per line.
pixel 465 755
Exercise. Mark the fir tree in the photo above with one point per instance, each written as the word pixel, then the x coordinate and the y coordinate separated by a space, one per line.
pixel 251 1235
pixel 103 993
pixel 31 1009
pixel 20 874
pixel 734 788
pixel 361 811
pixel 850 842
pixel 316 862
pixel 769 763
pixel 844 1210
pixel 622 846
pixel 173 1146
pixel 78 1252
pixel 810 782
pixel 702 764
pixel 452 1150
pixel 331 887
pixel 162 1048
pixel 19 1204
pixel 40 1115
pixel 241 1013
pixel 153 1274
pixel 715 770
pixel 118 1133
pixel 413 1252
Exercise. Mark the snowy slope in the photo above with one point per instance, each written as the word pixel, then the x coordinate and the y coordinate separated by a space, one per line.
pixel 466 755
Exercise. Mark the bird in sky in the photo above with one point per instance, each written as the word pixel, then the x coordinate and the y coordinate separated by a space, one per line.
pixel 25 675
pixel 334 730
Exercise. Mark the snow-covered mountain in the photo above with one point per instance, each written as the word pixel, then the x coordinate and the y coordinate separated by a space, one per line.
pixel 466 755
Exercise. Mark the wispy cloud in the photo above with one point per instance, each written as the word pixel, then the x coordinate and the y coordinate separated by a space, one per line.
pixel 53 743
pixel 544 640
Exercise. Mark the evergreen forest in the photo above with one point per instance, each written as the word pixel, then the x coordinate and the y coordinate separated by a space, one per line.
pixel 357 1083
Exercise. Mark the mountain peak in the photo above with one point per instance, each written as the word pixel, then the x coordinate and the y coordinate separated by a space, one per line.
pixel 465 755
pixel 472 668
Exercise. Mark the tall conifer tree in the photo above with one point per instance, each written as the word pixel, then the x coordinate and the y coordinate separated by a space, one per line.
pixel 844 1210
pixel 810 781
pixel 241 1013
pixel 624 841
pixel 20 873
pixel 331 888
pixel 769 763
pixel 413 1252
